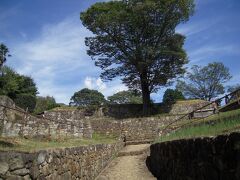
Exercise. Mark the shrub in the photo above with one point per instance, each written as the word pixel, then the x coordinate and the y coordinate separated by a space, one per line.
pixel 25 101
pixel 171 96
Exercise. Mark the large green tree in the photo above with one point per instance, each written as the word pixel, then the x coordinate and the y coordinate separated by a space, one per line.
pixel 136 40
pixel 125 97
pixel 205 82
pixel 87 97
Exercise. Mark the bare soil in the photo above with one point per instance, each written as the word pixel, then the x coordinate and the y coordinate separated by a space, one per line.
pixel 127 167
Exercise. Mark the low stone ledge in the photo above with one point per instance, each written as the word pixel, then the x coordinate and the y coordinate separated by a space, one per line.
pixel 84 162
pixel 216 158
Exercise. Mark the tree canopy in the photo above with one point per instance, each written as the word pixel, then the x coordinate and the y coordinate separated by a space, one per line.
pixel 87 97
pixel 22 89
pixel 171 96
pixel 12 83
pixel 205 82
pixel 136 40
pixel 233 88
pixel 125 97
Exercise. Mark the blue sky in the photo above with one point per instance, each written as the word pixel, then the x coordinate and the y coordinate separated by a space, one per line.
pixel 46 40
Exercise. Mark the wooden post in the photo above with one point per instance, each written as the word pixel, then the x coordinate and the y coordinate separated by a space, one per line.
pixel 238 97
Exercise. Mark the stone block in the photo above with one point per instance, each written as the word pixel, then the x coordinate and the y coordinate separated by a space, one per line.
pixel 21 172
pixel 3 168
pixel 16 162
pixel 41 157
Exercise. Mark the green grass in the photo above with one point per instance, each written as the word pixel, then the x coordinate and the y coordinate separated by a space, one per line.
pixel 31 145
pixel 216 117
pixel 215 125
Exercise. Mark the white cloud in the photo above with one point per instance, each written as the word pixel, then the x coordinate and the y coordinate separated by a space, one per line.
pixel 203 2
pixel 88 82
pixel 95 83
pixel 107 89
pixel 58 42
pixel 113 88
pixel 56 59
pixel 211 51
pixel 189 29
pixel 101 85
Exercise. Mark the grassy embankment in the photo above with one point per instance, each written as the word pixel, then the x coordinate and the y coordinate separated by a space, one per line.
pixel 31 145
pixel 214 125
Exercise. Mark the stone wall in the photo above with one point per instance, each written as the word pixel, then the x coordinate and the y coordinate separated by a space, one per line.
pixel 199 159
pixel 106 126
pixel 74 123
pixel 134 129
pixel 187 106
pixel 144 128
pixel 5 101
pixel 15 122
pixel 60 164
pixel 121 111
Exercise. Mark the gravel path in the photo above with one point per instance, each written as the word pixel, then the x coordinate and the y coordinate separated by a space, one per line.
pixel 128 167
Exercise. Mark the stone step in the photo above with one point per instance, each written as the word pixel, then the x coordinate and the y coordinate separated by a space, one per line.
pixel 132 153
pixel 148 141
pixel 134 150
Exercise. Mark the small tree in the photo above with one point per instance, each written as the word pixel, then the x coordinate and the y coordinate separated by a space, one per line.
pixel 4 53
pixel 87 97
pixel 205 82
pixel 125 97
pixel 171 96
pixel 9 83
pixel 136 39
pixel 22 89
pixel 25 101
pixel 233 88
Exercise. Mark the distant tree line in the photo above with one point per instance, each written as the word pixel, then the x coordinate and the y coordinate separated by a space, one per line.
pixel 87 97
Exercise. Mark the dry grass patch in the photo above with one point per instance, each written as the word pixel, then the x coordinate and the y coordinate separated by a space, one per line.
pixel 31 145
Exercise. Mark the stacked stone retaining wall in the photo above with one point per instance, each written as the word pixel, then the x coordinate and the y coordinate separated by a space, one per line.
pixel 199 159
pixel 15 122
pixel 59 164
pixel 133 129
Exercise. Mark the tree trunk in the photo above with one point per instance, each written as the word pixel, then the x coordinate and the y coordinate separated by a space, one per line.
pixel 145 95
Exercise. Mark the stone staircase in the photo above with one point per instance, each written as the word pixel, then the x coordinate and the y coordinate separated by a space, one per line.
pixel 147 141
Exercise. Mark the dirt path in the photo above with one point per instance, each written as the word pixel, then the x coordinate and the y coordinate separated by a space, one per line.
pixel 128 166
